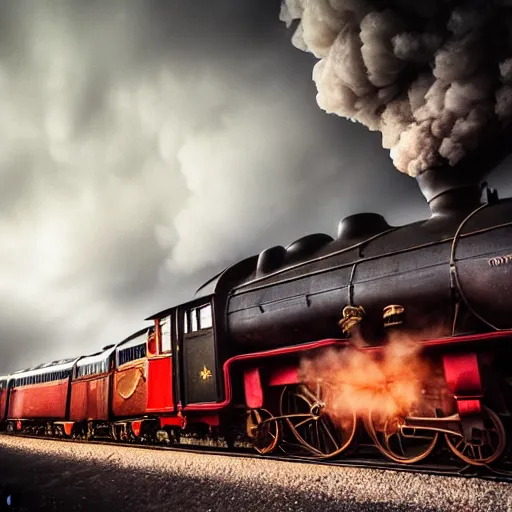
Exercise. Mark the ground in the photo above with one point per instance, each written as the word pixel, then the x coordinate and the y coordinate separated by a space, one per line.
pixel 54 476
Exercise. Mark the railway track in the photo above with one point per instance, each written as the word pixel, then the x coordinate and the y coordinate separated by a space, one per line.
pixel 450 469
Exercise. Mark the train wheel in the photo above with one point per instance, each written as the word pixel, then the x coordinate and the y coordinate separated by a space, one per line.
pixel 401 444
pixel 304 411
pixel 487 448
pixel 263 430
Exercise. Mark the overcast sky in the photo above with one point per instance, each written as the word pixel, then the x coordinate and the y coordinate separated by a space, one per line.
pixel 145 146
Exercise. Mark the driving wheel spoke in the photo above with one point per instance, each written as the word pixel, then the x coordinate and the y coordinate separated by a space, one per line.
pixel 263 429
pixel 316 433
pixel 490 446
pixel 395 444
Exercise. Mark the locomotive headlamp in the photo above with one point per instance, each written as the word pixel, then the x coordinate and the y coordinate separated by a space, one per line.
pixel 352 316
pixel 393 315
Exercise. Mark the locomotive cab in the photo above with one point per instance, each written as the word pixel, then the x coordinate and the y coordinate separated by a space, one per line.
pixel 189 331
pixel 199 354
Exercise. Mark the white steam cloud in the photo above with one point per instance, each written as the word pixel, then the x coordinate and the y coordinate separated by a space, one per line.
pixel 434 77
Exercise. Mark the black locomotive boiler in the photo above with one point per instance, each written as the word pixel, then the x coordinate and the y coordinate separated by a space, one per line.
pixel 451 271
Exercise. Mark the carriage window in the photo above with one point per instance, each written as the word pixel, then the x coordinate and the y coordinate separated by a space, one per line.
pixel 132 353
pixel 205 317
pixel 165 330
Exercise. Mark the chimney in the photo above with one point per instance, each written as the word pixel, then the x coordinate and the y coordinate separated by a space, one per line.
pixel 449 191
pixel 458 190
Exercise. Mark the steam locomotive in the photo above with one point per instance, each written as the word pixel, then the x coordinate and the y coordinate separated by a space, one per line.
pixel 228 362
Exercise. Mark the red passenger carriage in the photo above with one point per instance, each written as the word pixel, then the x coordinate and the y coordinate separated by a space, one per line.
pixel 90 392
pixel 40 394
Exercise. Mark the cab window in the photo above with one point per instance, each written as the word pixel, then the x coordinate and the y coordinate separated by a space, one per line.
pixel 165 331
pixel 197 319
pixel 205 317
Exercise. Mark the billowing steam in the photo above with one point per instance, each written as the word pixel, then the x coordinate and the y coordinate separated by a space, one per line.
pixel 389 384
pixel 435 77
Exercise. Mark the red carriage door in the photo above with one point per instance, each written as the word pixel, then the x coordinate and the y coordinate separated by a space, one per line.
pixel 160 378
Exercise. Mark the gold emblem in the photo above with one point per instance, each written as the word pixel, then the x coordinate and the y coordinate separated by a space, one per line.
pixel 393 315
pixel 205 374
pixel 352 316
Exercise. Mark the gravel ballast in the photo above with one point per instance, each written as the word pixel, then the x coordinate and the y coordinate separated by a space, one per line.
pixel 53 475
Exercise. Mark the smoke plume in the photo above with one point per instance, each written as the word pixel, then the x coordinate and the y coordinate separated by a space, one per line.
pixel 435 78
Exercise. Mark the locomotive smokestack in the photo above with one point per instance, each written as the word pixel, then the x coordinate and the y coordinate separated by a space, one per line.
pixel 448 190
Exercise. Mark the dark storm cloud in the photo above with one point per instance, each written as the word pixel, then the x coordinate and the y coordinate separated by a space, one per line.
pixel 145 145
